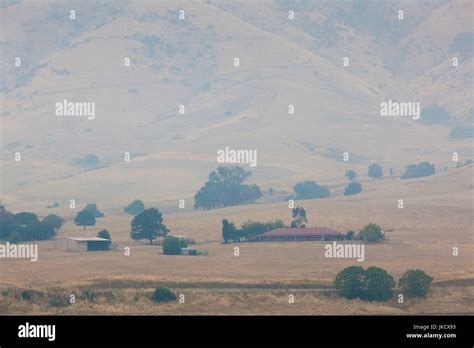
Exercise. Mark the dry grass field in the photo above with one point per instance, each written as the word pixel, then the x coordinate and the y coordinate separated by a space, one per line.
pixel 437 217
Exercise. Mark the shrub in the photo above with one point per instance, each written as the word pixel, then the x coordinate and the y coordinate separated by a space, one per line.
pixel 371 233
pixel 415 283
pixel 350 174
pixel 104 234
pixel 375 171
pixel 372 284
pixel 350 235
pixel 462 132
pixel 380 285
pixel 310 190
pixel 58 301
pixel 352 189
pixel 171 246
pixel 351 282
pixel 28 295
pixel 163 295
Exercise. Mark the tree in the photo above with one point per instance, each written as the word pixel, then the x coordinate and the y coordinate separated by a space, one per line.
pixel 163 295
pixel 148 225
pixel 350 235
pixel 380 285
pixel 229 231
pixel 415 283
pixel 134 208
pixel 299 217
pixel 104 234
pixel 56 222
pixel 417 171
pixel 7 223
pixel 26 218
pixel 375 171
pixel 225 187
pixel 92 208
pixel 352 189
pixel 84 218
pixel 351 175
pixel 351 282
pixel 171 246
pixel 371 233
pixel 310 190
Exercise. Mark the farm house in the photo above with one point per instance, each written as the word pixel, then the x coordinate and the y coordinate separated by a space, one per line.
pixel 300 234
pixel 77 244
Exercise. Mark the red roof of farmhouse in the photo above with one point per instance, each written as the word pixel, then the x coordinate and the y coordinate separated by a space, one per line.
pixel 310 231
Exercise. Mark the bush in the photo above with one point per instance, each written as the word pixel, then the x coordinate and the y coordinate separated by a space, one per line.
pixel 351 282
pixel 351 175
pixel 171 246
pixel 58 301
pixel 352 189
pixel 309 190
pixel 380 285
pixel 135 208
pixel 375 171
pixel 371 233
pixel 415 283
pixel 350 235
pixel 28 295
pixel 373 284
pixel 163 295
pixel 417 171
pixel 104 234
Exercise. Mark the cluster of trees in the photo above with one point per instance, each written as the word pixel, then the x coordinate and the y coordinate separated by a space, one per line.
pixel 225 187
pixel 310 190
pixel 353 187
pixel 420 170
pixel 26 226
pixel 251 229
pixel 376 284
pixel 370 233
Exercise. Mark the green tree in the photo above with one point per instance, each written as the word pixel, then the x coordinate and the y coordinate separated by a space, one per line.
pixel 104 234
pixel 229 231
pixel 371 233
pixel 56 222
pixel 375 171
pixel 84 218
pixel 417 171
pixel 351 282
pixel 251 229
pixel 352 189
pixel 225 188
pixel 351 175
pixel 299 217
pixel 171 246
pixel 148 225
pixel 415 283
pixel 134 208
pixel 92 208
pixel 310 190
pixel 350 235
pixel 380 285
pixel 163 295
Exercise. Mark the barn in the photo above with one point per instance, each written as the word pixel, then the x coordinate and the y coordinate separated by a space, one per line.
pixel 77 244
pixel 300 234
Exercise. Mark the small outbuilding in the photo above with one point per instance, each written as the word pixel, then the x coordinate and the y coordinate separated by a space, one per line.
pixel 300 234
pixel 77 244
